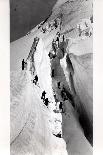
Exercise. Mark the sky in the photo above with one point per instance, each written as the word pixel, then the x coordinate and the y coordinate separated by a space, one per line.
pixel 26 14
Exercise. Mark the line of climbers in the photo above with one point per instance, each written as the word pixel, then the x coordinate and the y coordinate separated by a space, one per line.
pixel 45 99
pixel 59 105
pixel 30 57
pixel 51 25
pixel 59 48
pixel 59 45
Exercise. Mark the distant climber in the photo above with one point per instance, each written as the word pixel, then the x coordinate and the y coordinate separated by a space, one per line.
pixel 63 94
pixel 55 24
pixel 63 38
pixel 52 73
pixel 43 95
pixel 59 135
pixel 54 46
pixel 57 42
pixel 43 30
pixel 91 19
pixel 58 84
pixel 58 34
pixel 23 64
pixel 35 80
pixel 61 107
pixel 50 55
pixel 46 102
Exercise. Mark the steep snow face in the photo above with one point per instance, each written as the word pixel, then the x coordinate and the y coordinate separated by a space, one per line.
pixel 81 85
pixel 30 120
pixel 33 135
pixel 84 84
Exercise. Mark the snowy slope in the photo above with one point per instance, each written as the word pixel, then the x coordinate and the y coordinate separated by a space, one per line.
pixel 31 131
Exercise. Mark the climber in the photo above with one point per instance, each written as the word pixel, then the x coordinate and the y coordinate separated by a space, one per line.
pixel 91 19
pixel 23 64
pixel 63 94
pixel 63 38
pixel 51 55
pixel 54 46
pixel 43 95
pixel 80 31
pixel 52 25
pixel 59 135
pixel 35 80
pixel 61 107
pixel 57 42
pixel 55 24
pixel 43 30
pixel 46 102
pixel 58 84
pixel 58 34
pixel 52 73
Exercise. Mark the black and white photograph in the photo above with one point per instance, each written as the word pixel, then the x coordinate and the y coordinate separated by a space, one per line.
pixel 51 77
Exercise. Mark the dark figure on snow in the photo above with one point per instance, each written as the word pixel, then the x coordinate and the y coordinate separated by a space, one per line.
pixel 43 95
pixel 46 102
pixel 58 84
pixel 57 41
pixel 63 38
pixel 63 94
pixel 58 135
pixel 23 64
pixel 52 73
pixel 50 55
pixel 43 30
pixel 91 19
pixel 55 24
pixel 58 34
pixel 61 107
pixel 35 80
